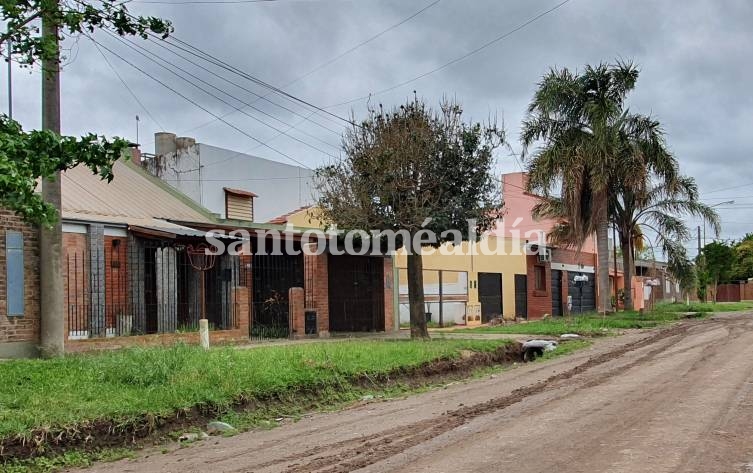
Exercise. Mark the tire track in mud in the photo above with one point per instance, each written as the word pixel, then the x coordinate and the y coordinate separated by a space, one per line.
pixel 360 452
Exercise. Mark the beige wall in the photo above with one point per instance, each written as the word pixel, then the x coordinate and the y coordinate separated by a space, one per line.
pixel 502 261
pixel 306 218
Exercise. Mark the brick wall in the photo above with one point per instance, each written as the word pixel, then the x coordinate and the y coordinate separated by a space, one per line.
pixel 389 308
pixel 26 328
pixel 116 278
pixel 539 302
pixel 567 256
pixel 297 312
pixel 75 282
pixel 318 285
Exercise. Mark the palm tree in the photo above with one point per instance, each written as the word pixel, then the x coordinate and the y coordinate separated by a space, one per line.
pixel 579 119
pixel 659 208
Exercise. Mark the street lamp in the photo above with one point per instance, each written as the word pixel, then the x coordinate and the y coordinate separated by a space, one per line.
pixel 728 202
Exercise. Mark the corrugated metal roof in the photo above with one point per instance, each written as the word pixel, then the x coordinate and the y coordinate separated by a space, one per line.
pixel 132 198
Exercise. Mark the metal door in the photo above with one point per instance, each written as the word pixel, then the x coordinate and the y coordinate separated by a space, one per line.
pixel 583 294
pixel 521 296
pixel 556 292
pixel 490 295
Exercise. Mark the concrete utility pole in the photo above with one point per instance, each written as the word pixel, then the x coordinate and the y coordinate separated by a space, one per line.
pixel 10 79
pixel 51 239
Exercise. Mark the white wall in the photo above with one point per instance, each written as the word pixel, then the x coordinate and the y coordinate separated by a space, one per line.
pixel 180 170
pixel 280 187
pixel 201 171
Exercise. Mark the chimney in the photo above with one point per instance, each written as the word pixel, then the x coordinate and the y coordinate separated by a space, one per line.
pixel 136 155
pixel 165 143
pixel 184 142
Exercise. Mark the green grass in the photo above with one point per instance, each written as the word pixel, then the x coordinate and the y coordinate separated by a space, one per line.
pixel 126 385
pixel 73 459
pixel 593 324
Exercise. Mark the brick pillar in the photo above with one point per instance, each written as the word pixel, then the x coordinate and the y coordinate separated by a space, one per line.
pixel 316 267
pixel 242 309
pixel 297 312
pixel 389 308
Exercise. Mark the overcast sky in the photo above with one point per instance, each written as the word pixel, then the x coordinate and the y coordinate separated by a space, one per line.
pixel 695 58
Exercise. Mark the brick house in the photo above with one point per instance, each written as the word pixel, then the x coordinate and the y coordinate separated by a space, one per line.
pixel 127 269
pixel 19 287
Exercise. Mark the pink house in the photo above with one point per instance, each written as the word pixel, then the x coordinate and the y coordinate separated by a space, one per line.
pixel 558 280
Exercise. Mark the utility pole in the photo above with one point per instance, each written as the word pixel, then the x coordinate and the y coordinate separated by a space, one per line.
pixel 50 239
pixel 614 252
pixel 699 240
pixel 10 79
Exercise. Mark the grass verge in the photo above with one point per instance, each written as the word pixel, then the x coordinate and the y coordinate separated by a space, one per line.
pixel 103 400
pixel 595 325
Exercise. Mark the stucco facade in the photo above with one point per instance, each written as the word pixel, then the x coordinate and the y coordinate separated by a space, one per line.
pixel 491 255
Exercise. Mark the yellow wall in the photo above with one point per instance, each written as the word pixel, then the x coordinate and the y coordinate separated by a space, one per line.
pixel 507 263
pixel 305 218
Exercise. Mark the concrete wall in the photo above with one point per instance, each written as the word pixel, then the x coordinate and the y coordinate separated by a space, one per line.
pixel 280 187
pixel 201 172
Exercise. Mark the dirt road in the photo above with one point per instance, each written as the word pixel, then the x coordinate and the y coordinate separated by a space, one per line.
pixel 672 400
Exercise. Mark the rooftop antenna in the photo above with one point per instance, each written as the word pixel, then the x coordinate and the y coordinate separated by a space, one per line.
pixel 137 129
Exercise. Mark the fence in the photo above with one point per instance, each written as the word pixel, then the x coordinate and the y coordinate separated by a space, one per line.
pixel 132 286
pixel 271 278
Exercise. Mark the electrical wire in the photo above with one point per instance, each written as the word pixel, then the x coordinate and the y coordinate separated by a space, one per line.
pixel 457 59
pixel 125 84
pixel 206 2
pixel 161 44
pixel 136 49
pixel 198 105
pixel 341 55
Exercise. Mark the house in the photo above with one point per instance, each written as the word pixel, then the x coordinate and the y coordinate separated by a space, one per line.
pixel 225 181
pixel 558 279
pixel 511 272
pixel 341 293
pixel 127 269
pixel 135 272
pixel 470 283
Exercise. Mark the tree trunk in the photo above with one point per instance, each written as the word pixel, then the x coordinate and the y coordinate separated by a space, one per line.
pixel 416 296
pixel 627 272
pixel 52 315
pixel 602 250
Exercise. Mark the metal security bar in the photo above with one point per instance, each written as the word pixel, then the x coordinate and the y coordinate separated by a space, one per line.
pixel 133 286
pixel 273 276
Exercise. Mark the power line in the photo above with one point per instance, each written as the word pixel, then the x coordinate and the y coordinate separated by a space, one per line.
pixel 206 2
pixel 134 47
pixel 161 44
pixel 728 188
pixel 218 62
pixel 122 81
pixel 208 57
pixel 188 99
pixel 457 59
pixel 343 54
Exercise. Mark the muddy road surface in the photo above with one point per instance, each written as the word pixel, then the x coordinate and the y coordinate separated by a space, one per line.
pixel 677 399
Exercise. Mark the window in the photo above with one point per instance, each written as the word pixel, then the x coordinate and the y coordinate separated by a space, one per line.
pixel 14 267
pixel 539 275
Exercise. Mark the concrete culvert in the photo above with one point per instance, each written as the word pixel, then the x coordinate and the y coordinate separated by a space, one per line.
pixel 533 349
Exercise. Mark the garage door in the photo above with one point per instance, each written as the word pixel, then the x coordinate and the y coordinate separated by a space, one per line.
pixel 583 294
